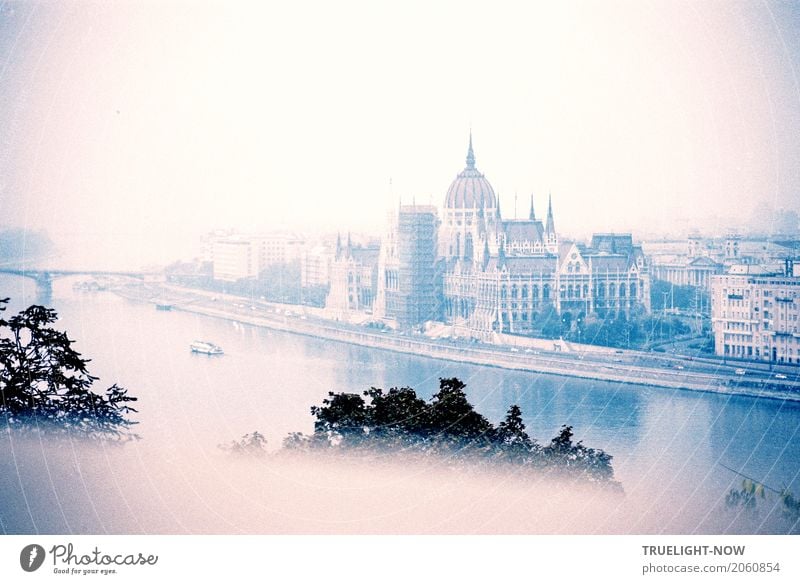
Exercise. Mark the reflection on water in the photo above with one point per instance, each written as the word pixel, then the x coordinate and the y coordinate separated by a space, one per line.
pixel 666 443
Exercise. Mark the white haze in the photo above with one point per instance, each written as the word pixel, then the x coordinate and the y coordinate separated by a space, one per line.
pixel 129 128
pixel 186 487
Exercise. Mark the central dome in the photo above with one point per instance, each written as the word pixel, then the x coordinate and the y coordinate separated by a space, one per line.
pixel 470 190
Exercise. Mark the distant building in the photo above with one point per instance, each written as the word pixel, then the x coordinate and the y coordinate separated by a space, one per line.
pixel 732 247
pixel 353 279
pixel 757 316
pixel 315 266
pixel 689 265
pixel 503 275
pixel 409 289
pixel 235 258
pixel 694 263
pixel 281 248
pixel 689 271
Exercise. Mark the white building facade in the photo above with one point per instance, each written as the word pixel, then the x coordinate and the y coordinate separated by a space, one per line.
pixel 757 317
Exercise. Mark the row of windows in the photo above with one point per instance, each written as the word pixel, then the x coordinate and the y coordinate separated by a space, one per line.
pixel 573 291
pixel 748 351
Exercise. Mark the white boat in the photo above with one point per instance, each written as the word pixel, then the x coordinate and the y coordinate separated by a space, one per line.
pixel 205 348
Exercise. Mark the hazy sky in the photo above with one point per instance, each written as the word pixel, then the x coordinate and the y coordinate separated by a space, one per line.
pixel 130 126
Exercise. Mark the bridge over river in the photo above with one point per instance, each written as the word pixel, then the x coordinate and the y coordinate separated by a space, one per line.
pixel 44 277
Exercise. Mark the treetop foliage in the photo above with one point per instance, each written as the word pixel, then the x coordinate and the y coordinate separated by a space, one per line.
pixel 253 444
pixel 447 424
pixel 45 383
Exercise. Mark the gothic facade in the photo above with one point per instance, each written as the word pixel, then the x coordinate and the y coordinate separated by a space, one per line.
pixel 504 275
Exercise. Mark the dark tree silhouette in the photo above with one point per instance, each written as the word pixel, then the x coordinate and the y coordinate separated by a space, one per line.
pixel 342 417
pixel 397 414
pixel 448 424
pixel 44 382
pixel 564 453
pixel 451 418
pixel 513 439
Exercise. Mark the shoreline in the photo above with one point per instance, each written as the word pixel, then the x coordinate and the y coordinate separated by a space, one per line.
pixel 567 365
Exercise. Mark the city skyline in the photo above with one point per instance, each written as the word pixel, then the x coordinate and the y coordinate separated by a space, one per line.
pixel 134 130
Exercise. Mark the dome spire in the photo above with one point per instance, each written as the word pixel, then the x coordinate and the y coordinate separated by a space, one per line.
pixel 532 215
pixel 470 153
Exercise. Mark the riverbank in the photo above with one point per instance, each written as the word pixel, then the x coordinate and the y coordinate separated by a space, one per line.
pixel 627 367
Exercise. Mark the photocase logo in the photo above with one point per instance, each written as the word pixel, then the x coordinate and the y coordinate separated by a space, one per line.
pixel 31 557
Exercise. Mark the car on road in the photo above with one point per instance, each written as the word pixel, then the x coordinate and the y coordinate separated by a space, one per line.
pixel 780 376
pixel 740 372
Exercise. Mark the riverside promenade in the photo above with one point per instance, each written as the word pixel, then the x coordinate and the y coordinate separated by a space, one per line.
pixel 630 367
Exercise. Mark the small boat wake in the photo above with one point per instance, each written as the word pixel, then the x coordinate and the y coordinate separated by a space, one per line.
pixel 205 348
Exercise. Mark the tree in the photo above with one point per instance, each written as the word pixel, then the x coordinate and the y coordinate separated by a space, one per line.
pixel 746 497
pixel 452 419
pixel 253 444
pixel 446 425
pixel 45 382
pixel 549 322
pixel 342 417
pixel 512 438
pixel 397 414
pixel 594 464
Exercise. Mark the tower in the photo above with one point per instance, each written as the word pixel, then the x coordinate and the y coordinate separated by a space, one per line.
pixel 470 216
pixel 550 237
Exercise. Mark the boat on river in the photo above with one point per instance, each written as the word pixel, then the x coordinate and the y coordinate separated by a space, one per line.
pixel 205 348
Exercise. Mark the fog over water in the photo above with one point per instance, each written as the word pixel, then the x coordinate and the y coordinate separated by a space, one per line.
pixel 667 445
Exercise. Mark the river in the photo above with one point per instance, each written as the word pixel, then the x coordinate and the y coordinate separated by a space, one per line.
pixel 669 446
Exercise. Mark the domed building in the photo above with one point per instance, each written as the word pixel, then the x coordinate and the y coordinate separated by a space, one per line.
pixel 472 228
pixel 507 275
pixel 485 275
pixel 470 216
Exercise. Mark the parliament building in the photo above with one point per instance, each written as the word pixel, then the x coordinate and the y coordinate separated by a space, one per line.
pixel 483 274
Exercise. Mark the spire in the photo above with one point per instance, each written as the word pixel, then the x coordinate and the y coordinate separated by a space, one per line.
pixel 499 216
pixel 532 215
pixel 338 245
pixel 470 153
pixel 550 228
pixel 349 246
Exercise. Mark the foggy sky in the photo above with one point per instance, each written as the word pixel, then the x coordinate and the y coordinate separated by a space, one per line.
pixel 129 127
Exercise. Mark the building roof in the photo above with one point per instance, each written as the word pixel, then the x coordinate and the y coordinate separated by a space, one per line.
pixel 519 230
pixel 612 243
pixel 470 189
pixel 704 261
pixel 610 263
